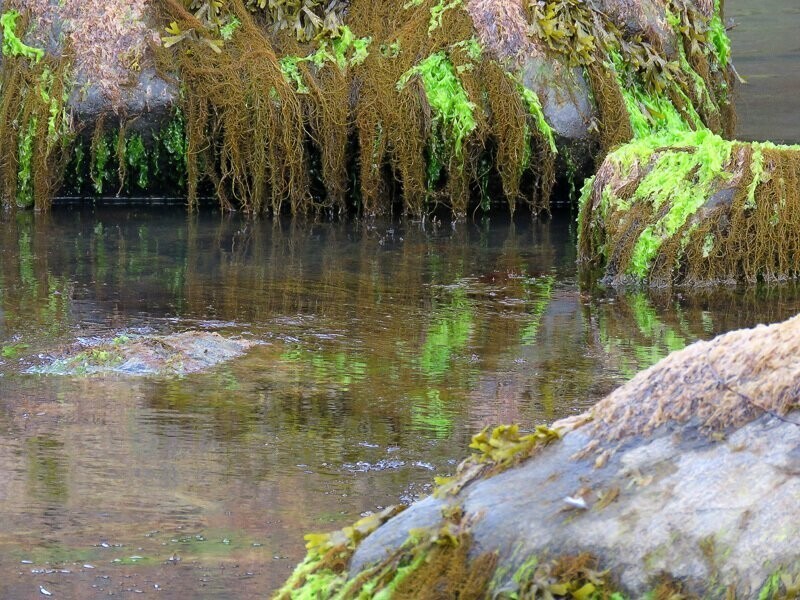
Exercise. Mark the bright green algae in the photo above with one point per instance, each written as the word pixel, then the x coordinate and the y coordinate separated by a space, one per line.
pixel 681 179
pixel 447 97
pixel 12 45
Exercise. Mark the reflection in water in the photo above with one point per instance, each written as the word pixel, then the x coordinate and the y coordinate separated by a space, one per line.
pixel 385 348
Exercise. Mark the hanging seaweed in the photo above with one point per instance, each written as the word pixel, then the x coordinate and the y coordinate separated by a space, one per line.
pixel 35 128
pixel 692 208
pixel 306 106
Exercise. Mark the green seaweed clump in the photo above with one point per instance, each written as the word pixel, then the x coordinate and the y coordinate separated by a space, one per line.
pixel 324 570
pixel 432 563
pixel 497 450
pixel 12 45
pixel 454 118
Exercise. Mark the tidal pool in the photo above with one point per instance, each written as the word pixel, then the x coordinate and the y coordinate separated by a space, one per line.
pixel 383 348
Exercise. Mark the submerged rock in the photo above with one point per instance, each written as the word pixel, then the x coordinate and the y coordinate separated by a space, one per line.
pixel 690 208
pixel 684 481
pixel 174 354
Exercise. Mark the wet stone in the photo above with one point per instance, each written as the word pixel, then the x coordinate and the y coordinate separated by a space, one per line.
pixel 142 355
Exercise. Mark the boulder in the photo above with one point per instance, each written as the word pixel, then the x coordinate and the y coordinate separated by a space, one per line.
pixel 109 45
pixel 692 209
pixel 138 355
pixel 686 481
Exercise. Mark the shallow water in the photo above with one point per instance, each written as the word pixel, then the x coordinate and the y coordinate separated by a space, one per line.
pixel 766 53
pixel 385 347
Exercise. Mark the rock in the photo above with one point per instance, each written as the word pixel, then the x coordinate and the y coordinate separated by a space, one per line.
pixel 690 209
pixel 690 475
pixel 428 94
pixel 174 354
pixel 109 44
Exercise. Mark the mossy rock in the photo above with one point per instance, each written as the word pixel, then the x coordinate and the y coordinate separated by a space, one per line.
pixel 381 104
pixel 682 483
pixel 146 355
pixel 693 209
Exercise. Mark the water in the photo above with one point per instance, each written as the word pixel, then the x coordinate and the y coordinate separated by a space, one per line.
pixel 766 52
pixel 385 348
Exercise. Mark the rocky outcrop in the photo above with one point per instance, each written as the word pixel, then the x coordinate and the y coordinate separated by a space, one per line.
pixel 691 209
pixel 138 355
pixel 440 101
pixel 109 46
pixel 684 481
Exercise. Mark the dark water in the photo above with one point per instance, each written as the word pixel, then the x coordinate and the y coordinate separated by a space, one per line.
pixel 386 348
pixel 766 52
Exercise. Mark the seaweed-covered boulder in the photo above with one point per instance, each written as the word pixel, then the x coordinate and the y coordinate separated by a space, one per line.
pixel 684 482
pixel 332 106
pixel 137 355
pixel 692 208
pixel 74 73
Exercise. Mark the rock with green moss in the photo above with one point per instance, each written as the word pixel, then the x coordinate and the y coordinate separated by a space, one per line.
pixel 682 483
pixel 690 208
pixel 146 355
pixel 438 95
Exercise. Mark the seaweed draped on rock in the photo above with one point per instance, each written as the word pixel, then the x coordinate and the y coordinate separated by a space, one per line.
pixel 684 482
pixel 691 208
pixel 349 105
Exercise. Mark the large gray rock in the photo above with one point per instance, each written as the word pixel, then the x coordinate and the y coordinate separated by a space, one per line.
pixel 690 472
pixel 112 64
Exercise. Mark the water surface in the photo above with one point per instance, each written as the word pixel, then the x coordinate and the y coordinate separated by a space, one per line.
pixel 766 53
pixel 385 348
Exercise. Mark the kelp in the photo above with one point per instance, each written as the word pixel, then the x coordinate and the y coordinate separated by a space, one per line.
pixel 35 128
pixel 692 208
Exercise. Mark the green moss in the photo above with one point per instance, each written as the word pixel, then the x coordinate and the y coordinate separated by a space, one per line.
pixel 12 45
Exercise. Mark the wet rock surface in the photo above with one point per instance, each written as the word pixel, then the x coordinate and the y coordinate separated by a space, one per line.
pixel 689 473
pixel 140 355
pixel 109 46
